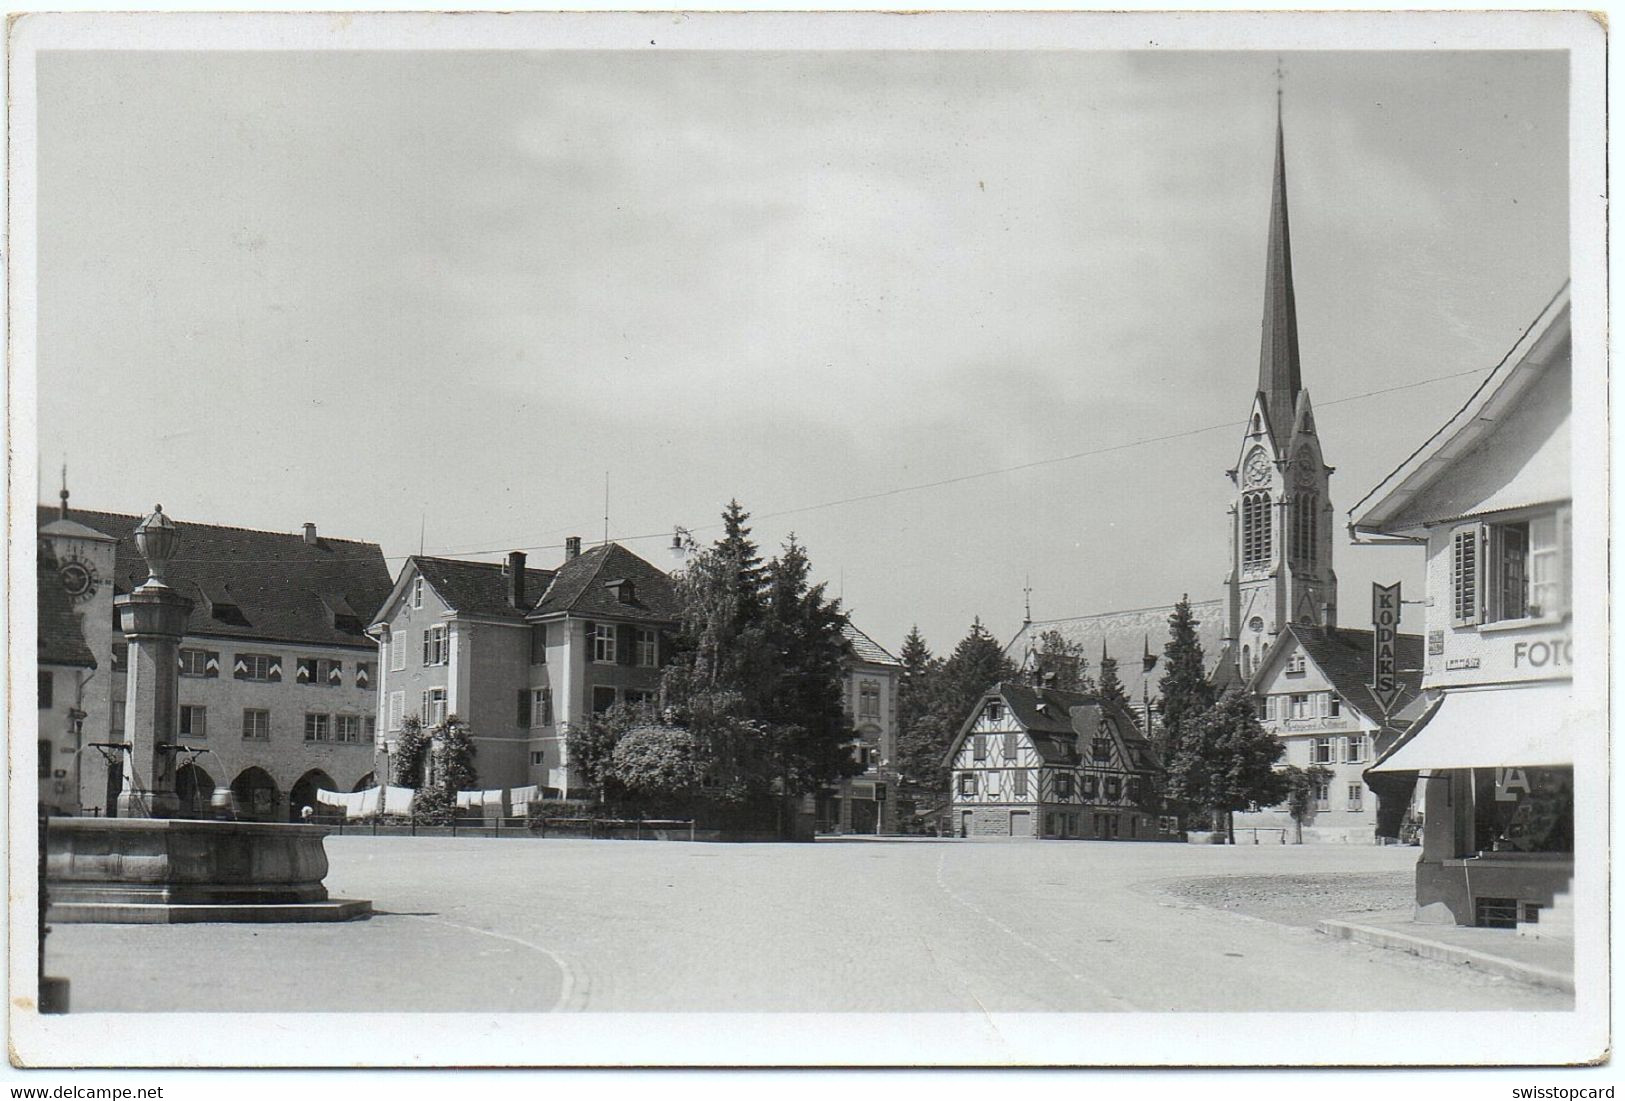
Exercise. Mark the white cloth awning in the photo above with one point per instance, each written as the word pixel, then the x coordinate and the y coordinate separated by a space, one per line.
pixel 1489 728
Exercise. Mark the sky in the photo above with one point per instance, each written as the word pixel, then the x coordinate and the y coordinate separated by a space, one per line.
pixel 435 299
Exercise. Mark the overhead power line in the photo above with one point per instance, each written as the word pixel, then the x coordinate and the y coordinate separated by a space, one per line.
pixel 918 487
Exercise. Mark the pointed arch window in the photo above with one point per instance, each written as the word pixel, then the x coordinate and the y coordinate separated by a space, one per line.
pixel 1305 525
pixel 1256 541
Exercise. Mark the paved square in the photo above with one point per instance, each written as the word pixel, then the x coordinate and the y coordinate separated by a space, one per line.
pixel 522 924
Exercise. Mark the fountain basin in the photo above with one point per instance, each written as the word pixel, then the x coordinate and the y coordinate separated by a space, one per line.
pixel 164 870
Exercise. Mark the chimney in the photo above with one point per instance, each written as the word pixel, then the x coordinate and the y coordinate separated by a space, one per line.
pixel 516 578
pixel 310 534
pixel 572 547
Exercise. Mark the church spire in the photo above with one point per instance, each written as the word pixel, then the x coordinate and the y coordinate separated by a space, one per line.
pixel 1278 374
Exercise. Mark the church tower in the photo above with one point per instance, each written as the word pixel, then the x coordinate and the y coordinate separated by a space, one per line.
pixel 1281 517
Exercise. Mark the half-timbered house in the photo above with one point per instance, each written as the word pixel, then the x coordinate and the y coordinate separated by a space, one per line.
pixel 1042 763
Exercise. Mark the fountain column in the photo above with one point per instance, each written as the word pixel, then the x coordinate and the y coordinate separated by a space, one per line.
pixel 153 619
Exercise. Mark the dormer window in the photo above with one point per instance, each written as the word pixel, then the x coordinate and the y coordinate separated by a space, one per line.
pixel 623 588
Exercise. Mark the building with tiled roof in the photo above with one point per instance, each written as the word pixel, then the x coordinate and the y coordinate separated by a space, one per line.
pixel 276 697
pixel 1135 639
pixel 866 803
pixel 522 655
pixel 1043 763
pixel 1313 692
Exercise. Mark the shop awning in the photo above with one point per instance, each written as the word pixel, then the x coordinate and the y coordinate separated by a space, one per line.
pixel 1488 728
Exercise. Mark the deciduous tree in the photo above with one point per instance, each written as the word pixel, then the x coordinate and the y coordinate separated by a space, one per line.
pixel 1225 762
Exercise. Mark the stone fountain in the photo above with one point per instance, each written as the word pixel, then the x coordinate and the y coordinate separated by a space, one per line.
pixel 148 866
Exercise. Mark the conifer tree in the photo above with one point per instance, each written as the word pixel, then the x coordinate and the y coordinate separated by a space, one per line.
pixel 977 664
pixel 1111 686
pixel 1059 663
pixel 1185 690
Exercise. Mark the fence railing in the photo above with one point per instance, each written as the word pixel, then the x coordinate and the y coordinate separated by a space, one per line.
pixel 637 829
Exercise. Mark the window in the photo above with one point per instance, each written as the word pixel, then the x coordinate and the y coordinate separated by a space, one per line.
pixel 994 781
pixel 538 644
pixel 1356 797
pixel 541 707
pixel 1354 751
pixel 417 592
pixel 397 651
pixel 603 643
pixel 256 724
pixel 1063 786
pixel 397 709
pixel 1255 529
pixel 1464 576
pixel 538 757
pixel 45 691
pixel 1334 705
pixel 348 728
pixel 194 663
pixel 1299 706
pixel 258 667
pixel 369 727
pixel 1100 750
pixel 636 698
pixel 117 725
pixel 995 712
pixel 967 783
pixel 1261 707
pixel 1296 663
pixel 435 650
pixel 318 726
pixel 603 698
pixel 1526 562
pixel 1305 525
pixel 434 706
pixel 194 721
pixel 1010 745
pixel 44 748
pixel 648 648
pixel 1114 787
pixel 869 700
pixel 1320 751
pixel 121 657
pixel 1018 783
pixel 979 747
pixel 1091 786
pixel 1323 794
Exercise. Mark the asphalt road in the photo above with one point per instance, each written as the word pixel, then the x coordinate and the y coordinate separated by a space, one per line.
pixel 878 926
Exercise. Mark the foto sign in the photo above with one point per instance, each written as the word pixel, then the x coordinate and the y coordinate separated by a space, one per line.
pixel 1385 636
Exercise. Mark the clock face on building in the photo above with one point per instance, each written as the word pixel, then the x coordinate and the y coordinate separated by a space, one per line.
pixel 1258 468
pixel 1304 469
pixel 77 577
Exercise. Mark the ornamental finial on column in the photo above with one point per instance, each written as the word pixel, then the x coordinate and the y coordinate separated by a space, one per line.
pixel 157 538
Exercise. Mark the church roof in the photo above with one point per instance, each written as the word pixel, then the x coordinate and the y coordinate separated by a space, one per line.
pixel 1127 636
pixel 281 587
pixel 1278 369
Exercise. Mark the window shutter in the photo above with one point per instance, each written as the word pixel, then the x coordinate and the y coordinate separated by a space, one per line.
pixel 626 644
pixel 423 706
pixel 1323 704
pixel 1467 546
pixel 523 718
pixel 425 646
pixel 239 668
pixel 592 641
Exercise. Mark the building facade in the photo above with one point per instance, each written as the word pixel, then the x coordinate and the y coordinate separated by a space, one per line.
pixel 1041 763
pixel 867 803
pixel 276 693
pixel 1490 497
pixel 1313 693
pixel 522 655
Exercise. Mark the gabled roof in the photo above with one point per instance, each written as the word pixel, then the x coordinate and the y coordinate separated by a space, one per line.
pixel 1055 721
pixel 866 649
pixel 1344 656
pixel 1127 636
pixel 277 579
pixel 579 588
pixel 1545 344
pixel 479 588
pixel 61 632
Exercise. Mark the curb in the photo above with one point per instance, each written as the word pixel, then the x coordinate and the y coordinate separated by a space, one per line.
pixel 1448 953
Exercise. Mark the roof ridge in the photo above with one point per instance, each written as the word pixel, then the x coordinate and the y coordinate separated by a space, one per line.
pixel 134 518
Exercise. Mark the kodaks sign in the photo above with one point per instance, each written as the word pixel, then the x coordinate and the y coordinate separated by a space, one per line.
pixel 1385 604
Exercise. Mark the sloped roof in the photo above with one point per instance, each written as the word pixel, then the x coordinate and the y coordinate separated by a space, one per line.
pixel 867 649
pixel 1126 635
pixel 61 633
pixel 480 588
pixel 277 580
pixel 579 587
pixel 1343 654
pixel 1055 721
